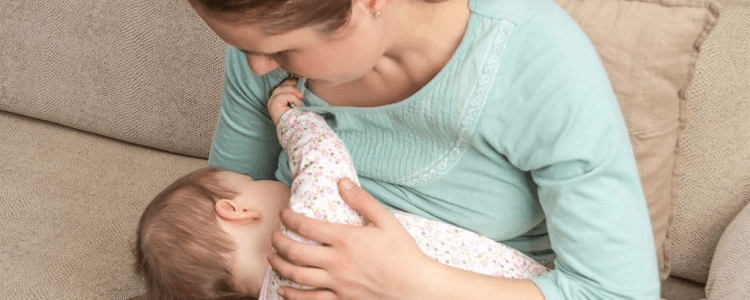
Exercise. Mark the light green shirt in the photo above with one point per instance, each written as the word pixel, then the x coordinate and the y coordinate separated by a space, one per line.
pixel 518 138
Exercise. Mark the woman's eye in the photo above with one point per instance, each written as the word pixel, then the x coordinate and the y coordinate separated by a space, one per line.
pixel 271 55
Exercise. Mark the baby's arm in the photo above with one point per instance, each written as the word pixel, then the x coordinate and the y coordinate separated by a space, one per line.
pixel 467 250
pixel 317 159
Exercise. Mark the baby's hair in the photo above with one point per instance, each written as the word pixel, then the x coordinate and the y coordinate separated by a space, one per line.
pixel 180 249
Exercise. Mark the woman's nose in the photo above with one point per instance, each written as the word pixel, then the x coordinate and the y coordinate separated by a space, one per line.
pixel 261 64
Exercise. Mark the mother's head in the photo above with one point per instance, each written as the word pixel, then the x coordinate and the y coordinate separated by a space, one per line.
pixel 334 41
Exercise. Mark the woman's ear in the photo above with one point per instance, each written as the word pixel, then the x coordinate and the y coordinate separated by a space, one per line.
pixel 378 5
pixel 230 211
pixel 374 6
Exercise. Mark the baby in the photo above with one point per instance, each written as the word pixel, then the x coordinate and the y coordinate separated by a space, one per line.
pixel 207 235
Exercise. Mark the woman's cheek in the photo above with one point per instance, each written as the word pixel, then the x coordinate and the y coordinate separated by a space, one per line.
pixel 309 67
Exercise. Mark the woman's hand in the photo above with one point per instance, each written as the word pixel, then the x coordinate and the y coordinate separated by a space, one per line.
pixel 376 261
pixel 282 98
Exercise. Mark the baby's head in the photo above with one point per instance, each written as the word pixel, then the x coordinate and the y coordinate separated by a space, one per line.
pixel 207 236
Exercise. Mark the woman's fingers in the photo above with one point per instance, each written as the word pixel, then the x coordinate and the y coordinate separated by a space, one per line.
pixel 312 229
pixel 290 293
pixel 360 200
pixel 300 254
pixel 307 276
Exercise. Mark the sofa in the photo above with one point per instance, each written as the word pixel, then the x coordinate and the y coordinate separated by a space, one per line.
pixel 104 103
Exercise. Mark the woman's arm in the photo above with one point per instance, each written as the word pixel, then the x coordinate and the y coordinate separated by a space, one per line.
pixel 245 138
pixel 377 261
pixel 562 124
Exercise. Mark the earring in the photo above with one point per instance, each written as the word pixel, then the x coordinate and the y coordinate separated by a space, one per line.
pixel 377 14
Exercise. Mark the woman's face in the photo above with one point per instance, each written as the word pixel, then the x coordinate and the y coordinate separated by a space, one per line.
pixel 333 58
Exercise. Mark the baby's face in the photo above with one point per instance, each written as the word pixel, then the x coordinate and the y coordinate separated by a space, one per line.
pixel 253 239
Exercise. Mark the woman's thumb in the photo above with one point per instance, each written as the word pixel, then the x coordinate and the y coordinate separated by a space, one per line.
pixel 361 201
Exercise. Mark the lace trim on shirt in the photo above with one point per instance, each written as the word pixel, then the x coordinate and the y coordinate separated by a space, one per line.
pixel 471 112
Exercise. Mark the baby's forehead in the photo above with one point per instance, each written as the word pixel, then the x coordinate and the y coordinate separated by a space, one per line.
pixel 222 184
pixel 234 182
pixel 232 177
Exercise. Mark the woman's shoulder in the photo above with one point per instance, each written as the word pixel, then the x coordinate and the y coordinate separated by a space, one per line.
pixel 532 25
pixel 514 11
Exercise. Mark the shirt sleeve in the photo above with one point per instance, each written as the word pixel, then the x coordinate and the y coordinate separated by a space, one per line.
pixel 318 159
pixel 560 122
pixel 245 139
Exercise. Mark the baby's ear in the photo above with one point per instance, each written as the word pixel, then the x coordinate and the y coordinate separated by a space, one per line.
pixel 230 211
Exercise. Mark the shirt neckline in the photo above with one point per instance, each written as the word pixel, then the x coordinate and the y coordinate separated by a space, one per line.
pixel 455 59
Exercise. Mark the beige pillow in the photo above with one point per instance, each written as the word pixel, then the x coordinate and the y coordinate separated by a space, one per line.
pixel 649 48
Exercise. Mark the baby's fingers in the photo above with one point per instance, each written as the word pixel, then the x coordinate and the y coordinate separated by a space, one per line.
pixel 280 90
pixel 289 81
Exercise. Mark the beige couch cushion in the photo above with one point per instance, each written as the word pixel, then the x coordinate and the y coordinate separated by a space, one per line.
pixel 141 71
pixel 674 288
pixel 69 218
pixel 729 278
pixel 715 168
pixel 649 49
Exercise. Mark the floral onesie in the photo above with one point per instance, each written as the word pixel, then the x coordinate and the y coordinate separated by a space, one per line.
pixel 318 159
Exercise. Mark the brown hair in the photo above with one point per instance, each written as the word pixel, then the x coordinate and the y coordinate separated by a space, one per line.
pixel 279 16
pixel 181 251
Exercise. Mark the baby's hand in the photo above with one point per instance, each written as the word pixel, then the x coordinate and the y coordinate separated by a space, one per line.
pixel 282 98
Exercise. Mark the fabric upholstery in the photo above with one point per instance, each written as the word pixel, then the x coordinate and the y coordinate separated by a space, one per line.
pixel 140 71
pixel 714 174
pixel 729 278
pixel 674 288
pixel 649 49
pixel 68 221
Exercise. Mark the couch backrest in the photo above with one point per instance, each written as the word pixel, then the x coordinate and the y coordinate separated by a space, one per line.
pixel 714 181
pixel 142 71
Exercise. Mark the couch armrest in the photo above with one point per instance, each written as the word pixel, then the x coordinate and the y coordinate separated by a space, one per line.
pixel 729 276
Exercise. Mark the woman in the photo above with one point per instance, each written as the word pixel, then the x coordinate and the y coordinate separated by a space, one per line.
pixel 494 115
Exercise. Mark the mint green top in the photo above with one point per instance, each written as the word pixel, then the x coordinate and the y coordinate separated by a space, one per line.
pixel 518 138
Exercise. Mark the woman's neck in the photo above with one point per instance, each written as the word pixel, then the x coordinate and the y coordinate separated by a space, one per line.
pixel 421 39
pixel 420 30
